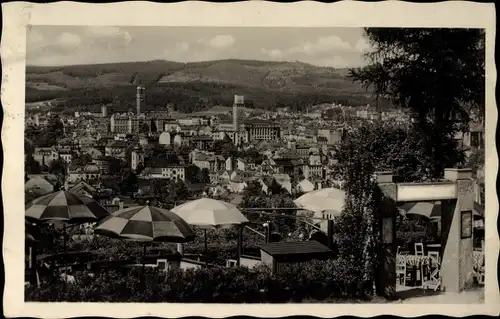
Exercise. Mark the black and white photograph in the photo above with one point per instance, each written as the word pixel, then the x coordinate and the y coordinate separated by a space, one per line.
pixel 255 164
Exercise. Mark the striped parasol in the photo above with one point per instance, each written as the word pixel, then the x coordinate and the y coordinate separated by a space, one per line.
pixel 67 207
pixel 431 210
pixel 146 223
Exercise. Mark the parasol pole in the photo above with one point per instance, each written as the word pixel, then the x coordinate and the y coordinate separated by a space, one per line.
pixel 239 248
pixel 143 261
pixel 64 257
pixel 206 245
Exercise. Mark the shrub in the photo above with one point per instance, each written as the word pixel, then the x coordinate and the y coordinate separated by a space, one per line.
pixel 318 280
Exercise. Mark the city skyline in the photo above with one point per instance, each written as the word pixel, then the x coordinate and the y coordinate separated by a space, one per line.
pixel 73 45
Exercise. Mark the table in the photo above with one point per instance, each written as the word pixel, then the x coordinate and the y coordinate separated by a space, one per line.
pixel 413 263
pixel 414 260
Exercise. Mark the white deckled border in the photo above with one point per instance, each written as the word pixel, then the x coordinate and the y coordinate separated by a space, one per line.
pixel 306 14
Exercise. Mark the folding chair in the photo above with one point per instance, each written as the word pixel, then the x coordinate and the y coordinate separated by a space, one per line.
pixel 434 257
pixel 401 270
pixel 162 265
pixel 401 253
pixel 480 276
pixel 434 281
pixel 419 249
pixel 231 263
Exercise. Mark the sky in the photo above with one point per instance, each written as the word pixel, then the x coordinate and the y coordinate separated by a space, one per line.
pixel 70 45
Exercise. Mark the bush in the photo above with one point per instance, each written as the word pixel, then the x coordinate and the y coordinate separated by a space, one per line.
pixel 317 280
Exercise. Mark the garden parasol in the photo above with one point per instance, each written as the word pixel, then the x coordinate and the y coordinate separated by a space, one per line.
pixel 145 224
pixel 66 207
pixel 210 213
pixel 430 210
pixel 325 199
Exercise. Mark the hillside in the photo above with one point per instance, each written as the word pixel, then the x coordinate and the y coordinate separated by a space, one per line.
pixel 193 86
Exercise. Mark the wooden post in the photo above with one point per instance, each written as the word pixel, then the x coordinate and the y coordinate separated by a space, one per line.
pixel 386 271
pixel 329 233
pixel 33 266
pixel 239 249
pixel 206 245
pixel 180 248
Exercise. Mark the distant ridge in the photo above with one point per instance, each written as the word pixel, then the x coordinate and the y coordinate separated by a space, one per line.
pixel 266 83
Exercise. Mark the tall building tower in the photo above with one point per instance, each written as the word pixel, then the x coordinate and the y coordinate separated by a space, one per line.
pixel 104 111
pixel 141 97
pixel 239 101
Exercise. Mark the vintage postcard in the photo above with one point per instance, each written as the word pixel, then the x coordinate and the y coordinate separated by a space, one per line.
pixel 337 158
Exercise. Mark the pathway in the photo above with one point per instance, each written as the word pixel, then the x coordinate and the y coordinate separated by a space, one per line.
pixel 419 296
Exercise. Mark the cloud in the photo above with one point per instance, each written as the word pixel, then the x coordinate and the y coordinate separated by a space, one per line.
pixel 323 44
pixel 334 62
pixel 108 36
pixel 68 40
pixel 363 45
pixel 274 53
pixel 177 52
pixel 219 41
pixel 182 46
pixel 329 51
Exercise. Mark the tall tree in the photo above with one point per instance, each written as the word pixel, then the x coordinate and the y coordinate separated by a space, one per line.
pixel 390 147
pixel 205 176
pixel 57 167
pixel 438 74
pixel 56 126
pixel 129 184
pixel 31 165
pixel 114 165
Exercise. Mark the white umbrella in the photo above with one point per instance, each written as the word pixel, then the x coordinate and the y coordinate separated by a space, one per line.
pixel 325 199
pixel 210 213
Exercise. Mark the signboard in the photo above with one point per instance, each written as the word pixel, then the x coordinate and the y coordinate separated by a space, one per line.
pixel 466 224
pixel 387 230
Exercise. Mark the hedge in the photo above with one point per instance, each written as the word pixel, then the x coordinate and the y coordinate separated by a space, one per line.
pixel 317 280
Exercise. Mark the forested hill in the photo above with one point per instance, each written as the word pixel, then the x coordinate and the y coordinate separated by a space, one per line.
pixel 194 86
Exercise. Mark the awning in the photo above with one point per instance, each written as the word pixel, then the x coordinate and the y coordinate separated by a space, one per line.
pixel 431 210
